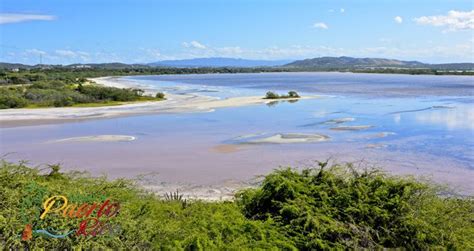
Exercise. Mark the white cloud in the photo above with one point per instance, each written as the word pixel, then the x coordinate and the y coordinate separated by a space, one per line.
pixel 72 55
pixel 194 45
pixel 65 53
pixel 320 25
pixel 453 21
pixel 35 52
pixel 342 10
pixel 433 53
pixel 6 18
pixel 398 19
pixel 461 117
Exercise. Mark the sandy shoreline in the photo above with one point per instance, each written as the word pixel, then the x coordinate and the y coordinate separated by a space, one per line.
pixel 185 103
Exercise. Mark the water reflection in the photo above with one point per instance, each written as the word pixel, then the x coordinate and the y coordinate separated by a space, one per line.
pixel 276 102
pixel 461 117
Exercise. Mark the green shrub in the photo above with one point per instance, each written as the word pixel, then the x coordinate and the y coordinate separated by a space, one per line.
pixel 111 93
pixel 342 208
pixel 11 99
pixel 146 222
pixel 160 95
pixel 57 98
pixel 17 80
pixel 271 95
pixel 36 77
pixel 293 94
pixel 57 85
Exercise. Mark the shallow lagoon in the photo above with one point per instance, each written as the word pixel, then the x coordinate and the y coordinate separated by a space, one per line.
pixel 421 125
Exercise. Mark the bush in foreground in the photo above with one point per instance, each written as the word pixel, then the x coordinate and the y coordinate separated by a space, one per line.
pixel 341 207
pixel 146 221
pixel 311 209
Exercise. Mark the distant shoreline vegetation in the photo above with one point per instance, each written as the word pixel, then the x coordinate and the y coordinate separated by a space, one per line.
pixel 232 65
pixel 102 70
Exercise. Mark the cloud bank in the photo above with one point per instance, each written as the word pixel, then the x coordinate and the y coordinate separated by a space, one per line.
pixel 7 18
pixel 194 45
pixel 453 21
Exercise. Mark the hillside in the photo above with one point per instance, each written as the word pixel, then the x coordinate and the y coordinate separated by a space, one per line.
pixel 219 62
pixel 349 62
pixel 357 63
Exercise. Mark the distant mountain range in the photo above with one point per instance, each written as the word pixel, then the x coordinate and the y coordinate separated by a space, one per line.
pixel 220 62
pixel 358 63
pixel 317 64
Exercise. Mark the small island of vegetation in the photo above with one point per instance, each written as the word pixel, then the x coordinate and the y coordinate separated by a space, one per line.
pixel 273 95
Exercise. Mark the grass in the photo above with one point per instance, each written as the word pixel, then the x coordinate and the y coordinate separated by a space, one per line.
pixel 317 208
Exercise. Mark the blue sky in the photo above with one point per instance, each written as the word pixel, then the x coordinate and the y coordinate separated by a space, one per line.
pixel 137 31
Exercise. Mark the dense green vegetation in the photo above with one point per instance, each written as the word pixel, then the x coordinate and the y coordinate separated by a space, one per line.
pixel 273 95
pixel 341 207
pixel 317 208
pixel 37 89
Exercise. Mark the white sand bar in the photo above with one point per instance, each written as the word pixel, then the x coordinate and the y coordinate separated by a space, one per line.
pixel 97 138
pixel 352 128
pixel 290 138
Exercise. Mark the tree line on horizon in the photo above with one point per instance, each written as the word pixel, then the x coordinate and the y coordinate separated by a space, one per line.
pixel 201 65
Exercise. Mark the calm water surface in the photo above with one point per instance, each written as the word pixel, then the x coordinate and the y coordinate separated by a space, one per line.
pixel 421 125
